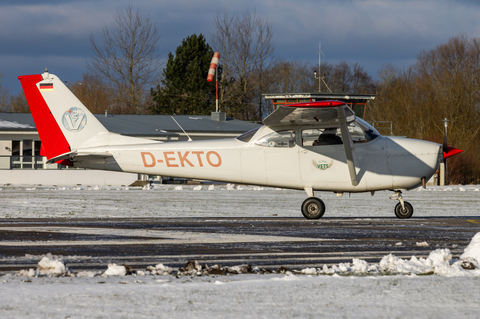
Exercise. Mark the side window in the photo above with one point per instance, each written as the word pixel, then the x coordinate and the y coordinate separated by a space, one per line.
pixel 278 139
pixel 318 137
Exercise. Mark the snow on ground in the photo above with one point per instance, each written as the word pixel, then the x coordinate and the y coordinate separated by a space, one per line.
pixel 433 287
pixel 240 296
pixel 348 292
pixel 222 200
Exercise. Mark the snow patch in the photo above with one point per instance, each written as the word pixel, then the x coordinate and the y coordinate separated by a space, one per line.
pixel 115 270
pixel 422 244
pixel 160 269
pixel 49 267
pixel 86 274
pixel 473 249
pixel 288 277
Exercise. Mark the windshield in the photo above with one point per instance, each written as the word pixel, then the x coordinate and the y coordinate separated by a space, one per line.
pixel 362 132
pixel 278 139
pixel 246 137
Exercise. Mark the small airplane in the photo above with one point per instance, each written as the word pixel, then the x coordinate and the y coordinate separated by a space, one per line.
pixel 312 146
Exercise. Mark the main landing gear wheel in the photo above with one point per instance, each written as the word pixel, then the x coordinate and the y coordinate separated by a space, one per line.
pixel 313 208
pixel 404 213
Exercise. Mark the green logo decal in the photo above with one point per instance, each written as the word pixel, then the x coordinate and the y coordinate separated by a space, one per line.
pixel 323 165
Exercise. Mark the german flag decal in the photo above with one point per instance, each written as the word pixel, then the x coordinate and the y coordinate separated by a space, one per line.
pixel 46 86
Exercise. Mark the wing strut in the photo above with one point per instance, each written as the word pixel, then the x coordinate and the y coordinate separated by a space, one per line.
pixel 348 145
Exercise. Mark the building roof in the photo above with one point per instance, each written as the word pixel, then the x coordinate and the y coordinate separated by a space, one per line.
pixel 142 125
pixel 14 125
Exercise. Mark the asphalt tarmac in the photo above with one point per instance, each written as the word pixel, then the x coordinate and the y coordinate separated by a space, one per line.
pixel 294 243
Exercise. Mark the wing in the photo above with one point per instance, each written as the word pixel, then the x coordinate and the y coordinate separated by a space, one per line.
pixel 323 112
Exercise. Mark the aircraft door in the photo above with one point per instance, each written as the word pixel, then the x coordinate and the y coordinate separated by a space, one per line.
pixel 281 158
pixel 322 159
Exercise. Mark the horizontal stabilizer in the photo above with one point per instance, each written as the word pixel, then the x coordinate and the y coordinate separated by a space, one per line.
pixel 72 156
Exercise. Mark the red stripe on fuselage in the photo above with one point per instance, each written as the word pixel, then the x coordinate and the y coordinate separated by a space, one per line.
pixel 53 141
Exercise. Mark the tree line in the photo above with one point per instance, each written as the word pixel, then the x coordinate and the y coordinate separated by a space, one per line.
pixel 443 83
pixel 125 75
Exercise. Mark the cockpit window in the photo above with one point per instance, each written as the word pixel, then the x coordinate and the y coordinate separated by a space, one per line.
pixel 323 136
pixel 278 139
pixel 246 137
pixel 362 132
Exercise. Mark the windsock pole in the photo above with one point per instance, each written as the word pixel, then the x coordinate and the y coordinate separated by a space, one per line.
pixel 211 71
pixel 216 91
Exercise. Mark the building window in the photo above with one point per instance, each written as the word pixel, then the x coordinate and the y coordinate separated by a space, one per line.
pixel 26 155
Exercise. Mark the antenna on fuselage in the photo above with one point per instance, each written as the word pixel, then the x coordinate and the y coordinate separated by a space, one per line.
pixel 320 77
pixel 189 139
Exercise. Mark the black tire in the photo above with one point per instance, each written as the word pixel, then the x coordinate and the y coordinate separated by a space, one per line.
pixel 403 214
pixel 313 208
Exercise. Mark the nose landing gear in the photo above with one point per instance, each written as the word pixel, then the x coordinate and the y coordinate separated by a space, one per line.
pixel 403 209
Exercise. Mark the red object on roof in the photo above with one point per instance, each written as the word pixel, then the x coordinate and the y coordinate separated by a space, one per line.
pixel 317 104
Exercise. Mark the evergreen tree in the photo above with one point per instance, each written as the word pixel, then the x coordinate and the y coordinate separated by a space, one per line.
pixel 185 89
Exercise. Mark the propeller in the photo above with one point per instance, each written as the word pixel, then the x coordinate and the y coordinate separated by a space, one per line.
pixel 448 151
pixel 445 145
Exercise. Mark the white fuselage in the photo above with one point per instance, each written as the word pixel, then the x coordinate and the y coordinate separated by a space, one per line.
pixel 383 163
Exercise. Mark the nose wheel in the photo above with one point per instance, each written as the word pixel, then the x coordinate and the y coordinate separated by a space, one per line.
pixel 313 208
pixel 403 209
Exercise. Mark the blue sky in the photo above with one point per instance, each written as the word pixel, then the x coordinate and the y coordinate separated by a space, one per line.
pixel 35 34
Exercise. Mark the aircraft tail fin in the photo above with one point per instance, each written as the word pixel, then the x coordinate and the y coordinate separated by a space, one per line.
pixel 64 124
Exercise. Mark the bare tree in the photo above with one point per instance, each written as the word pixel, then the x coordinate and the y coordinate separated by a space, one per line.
pixel 12 103
pixel 4 95
pixel 245 43
pixel 291 76
pixel 93 90
pixel 128 57
pixel 223 42
pixel 347 77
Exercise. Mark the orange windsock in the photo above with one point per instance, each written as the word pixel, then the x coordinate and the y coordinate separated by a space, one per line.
pixel 213 66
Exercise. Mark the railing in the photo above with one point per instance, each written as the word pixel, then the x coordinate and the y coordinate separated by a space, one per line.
pixel 390 127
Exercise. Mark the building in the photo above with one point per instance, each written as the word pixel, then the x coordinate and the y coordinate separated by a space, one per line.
pixel 21 162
